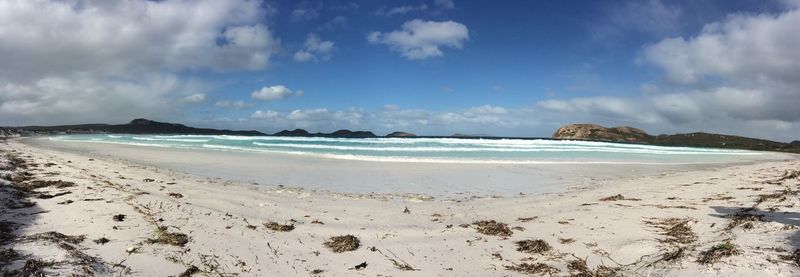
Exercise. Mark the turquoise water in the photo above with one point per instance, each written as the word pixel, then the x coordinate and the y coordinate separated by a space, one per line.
pixel 449 150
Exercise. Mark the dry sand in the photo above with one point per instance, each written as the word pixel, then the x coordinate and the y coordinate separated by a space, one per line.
pixel 737 220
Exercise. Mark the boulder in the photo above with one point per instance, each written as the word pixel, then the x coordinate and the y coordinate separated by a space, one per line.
pixel 597 132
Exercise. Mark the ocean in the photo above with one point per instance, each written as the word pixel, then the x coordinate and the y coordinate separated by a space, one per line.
pixel 434 150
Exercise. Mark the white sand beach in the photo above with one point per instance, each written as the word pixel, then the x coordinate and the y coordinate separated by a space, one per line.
pixel 181 219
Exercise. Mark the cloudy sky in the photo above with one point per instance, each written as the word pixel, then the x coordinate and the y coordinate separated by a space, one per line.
pixel 432 67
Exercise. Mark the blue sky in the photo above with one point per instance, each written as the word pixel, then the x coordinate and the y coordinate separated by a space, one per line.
pixel 433 67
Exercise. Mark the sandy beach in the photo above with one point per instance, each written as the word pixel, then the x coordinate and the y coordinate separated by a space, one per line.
pixel 94 213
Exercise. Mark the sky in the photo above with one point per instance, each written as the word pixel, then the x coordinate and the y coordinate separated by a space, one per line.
pixel 431 67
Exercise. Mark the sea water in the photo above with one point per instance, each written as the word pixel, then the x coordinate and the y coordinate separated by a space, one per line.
pixel 434 150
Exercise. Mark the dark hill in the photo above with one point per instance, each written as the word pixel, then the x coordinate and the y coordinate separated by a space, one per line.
pixel 295 133
pixel 136 126
pixel 400 135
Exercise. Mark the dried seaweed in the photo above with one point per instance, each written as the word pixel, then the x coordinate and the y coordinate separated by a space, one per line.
pixel 493 228
pixel 339 244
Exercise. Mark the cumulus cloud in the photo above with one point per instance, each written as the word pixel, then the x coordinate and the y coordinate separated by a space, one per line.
pixel 313 49
pixel 437 7
pixel 194 98
pixel 264 114
pixel 419 39
pixel 238 104
pixel 314 119
pixel 274 93
pixel 402 10
pixel 122 37
pixel 744 68
pixel 121 58
pixel 752 47
pixel 57 100
pixel 602 108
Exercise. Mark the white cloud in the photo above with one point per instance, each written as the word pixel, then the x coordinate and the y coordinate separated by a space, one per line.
pixel 438 7
pixel 273 93
pixel 123 37
pixel 303 56
pixel 238 104
pixel 743 69
pixel 754 47
pixel 487 109
pixel 419 39
pixel 271 115
pixel 194 98
pixel 106 60
pixel 602 108
pixel 314 48
pixel 312 119
pixel 57 100
pixel 403 10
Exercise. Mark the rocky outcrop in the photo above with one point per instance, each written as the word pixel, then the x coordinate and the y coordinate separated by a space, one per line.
pixel 698 139
pixel 293 133
pixel 597 132
pixel 400 135
pixel 338 134
pixel 352 134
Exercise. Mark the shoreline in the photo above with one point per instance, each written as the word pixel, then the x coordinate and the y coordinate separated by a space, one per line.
pixel 620 234
pixel 440 180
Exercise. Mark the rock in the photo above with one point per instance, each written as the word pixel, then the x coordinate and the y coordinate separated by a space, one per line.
pixel 401 135
pixel 597 132
pixel 352 134
pixel 294 133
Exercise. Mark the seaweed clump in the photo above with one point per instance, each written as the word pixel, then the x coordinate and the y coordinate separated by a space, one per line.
pixel 717 252
pixel 493 228
pixel 172 238
pixel 533 268
pixel 339 244
pixel 536 246
pixel 274 226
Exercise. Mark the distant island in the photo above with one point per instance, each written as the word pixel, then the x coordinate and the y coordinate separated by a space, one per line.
pixel 146 126
pixel 591 132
